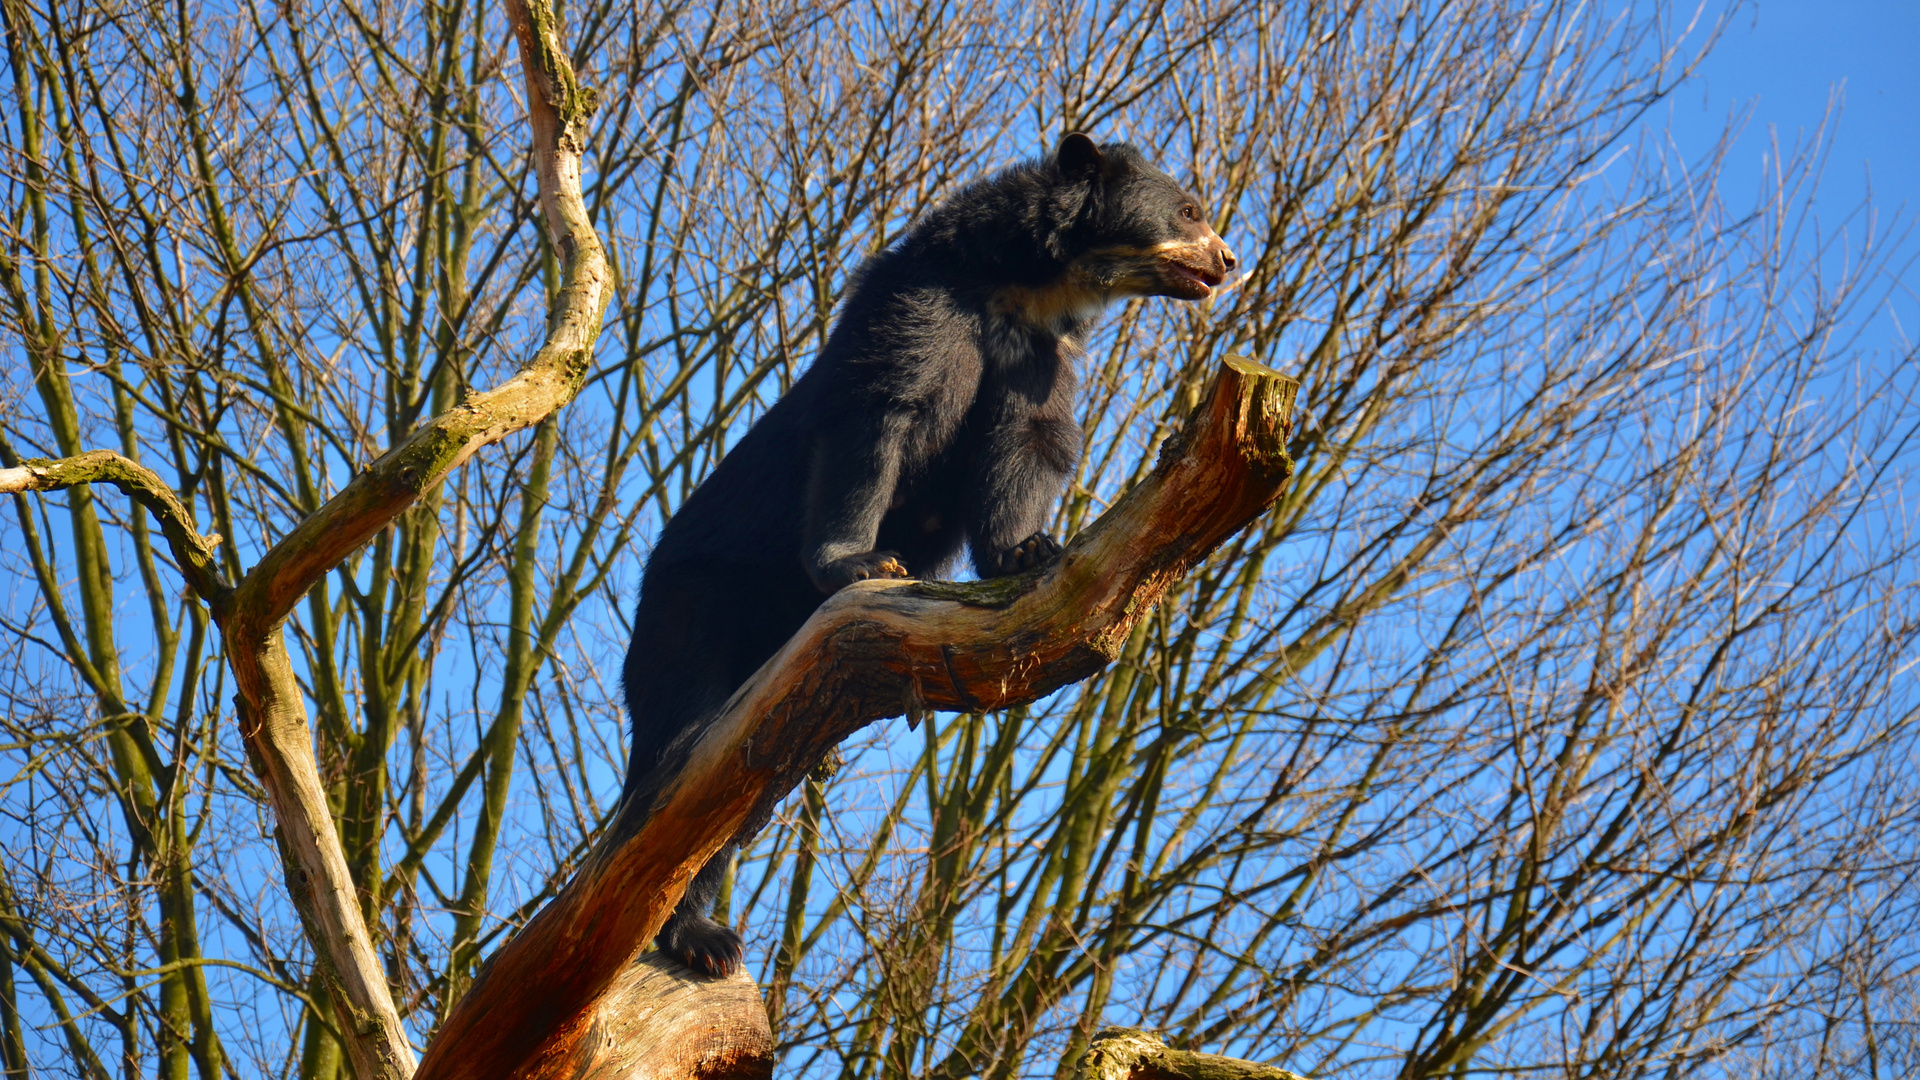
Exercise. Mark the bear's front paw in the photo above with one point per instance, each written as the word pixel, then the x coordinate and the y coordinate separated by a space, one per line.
pixel 866 566
pixel 1036 550
pixel 701 944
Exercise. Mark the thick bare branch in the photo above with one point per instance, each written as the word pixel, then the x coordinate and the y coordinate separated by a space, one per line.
pixel 660 1021
pixel 274 719
pixel 1512 582
pixel 872 651
pixel 557 109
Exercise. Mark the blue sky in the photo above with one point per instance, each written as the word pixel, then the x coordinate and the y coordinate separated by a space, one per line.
pixel 1780 65
pixel 1786 59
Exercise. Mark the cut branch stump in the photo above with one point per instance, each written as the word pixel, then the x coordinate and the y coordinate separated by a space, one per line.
pixel 659 1020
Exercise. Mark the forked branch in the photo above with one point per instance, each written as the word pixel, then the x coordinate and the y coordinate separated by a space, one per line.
pixel 874 650
pixel 273 717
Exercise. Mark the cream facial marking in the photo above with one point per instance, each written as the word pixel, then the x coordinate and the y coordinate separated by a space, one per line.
pixel 1188 269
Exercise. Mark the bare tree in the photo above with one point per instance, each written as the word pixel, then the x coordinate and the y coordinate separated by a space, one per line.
pixel 1558 718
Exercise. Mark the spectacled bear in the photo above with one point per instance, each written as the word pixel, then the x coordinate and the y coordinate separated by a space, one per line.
pixel 940 413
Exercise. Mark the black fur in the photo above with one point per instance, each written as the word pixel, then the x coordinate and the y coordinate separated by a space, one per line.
pixel 939 414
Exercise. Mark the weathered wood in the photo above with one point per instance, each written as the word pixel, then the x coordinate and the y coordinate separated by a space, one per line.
pixel 273 718
pixel 872 651
pixel 1119 1053
pixel 558 109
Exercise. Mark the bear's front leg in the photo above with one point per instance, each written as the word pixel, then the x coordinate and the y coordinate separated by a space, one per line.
pixel 1030 451
pixel 866 566
pixel 854 475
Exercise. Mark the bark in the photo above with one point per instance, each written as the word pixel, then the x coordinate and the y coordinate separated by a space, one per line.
pixel 274 719
pixel 195 552
pixel 875 650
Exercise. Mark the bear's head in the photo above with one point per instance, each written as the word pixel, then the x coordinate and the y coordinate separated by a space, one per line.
pixel 1135 230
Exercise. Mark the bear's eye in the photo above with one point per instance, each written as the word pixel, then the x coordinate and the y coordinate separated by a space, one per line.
pixel 1189 212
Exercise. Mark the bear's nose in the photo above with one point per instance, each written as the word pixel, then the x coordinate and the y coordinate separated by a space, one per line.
pixel 1226 258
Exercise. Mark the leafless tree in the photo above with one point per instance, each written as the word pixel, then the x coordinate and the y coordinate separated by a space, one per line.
pixel 1560 718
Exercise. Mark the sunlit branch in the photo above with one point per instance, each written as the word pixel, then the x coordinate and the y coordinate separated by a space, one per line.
pixel 872 651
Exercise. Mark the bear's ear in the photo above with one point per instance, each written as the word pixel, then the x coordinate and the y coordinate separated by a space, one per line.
pixel 1078 156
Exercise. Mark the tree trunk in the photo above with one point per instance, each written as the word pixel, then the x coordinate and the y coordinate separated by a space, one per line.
pixel 251 614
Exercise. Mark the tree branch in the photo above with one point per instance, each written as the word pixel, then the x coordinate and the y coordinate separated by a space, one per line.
pixel 1119 1053
pixel 557 109
pixel 659 1020
pixel 192 551
pixel 873 650
pixel 273 710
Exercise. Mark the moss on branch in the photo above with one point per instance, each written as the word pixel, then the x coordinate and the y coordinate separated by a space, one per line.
pixel 192 551
pixel 1120 1053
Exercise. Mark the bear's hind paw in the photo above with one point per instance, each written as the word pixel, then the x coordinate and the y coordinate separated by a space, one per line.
pixel 703 945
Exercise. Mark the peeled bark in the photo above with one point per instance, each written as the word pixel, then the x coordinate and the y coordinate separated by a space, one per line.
pixel 545 1002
